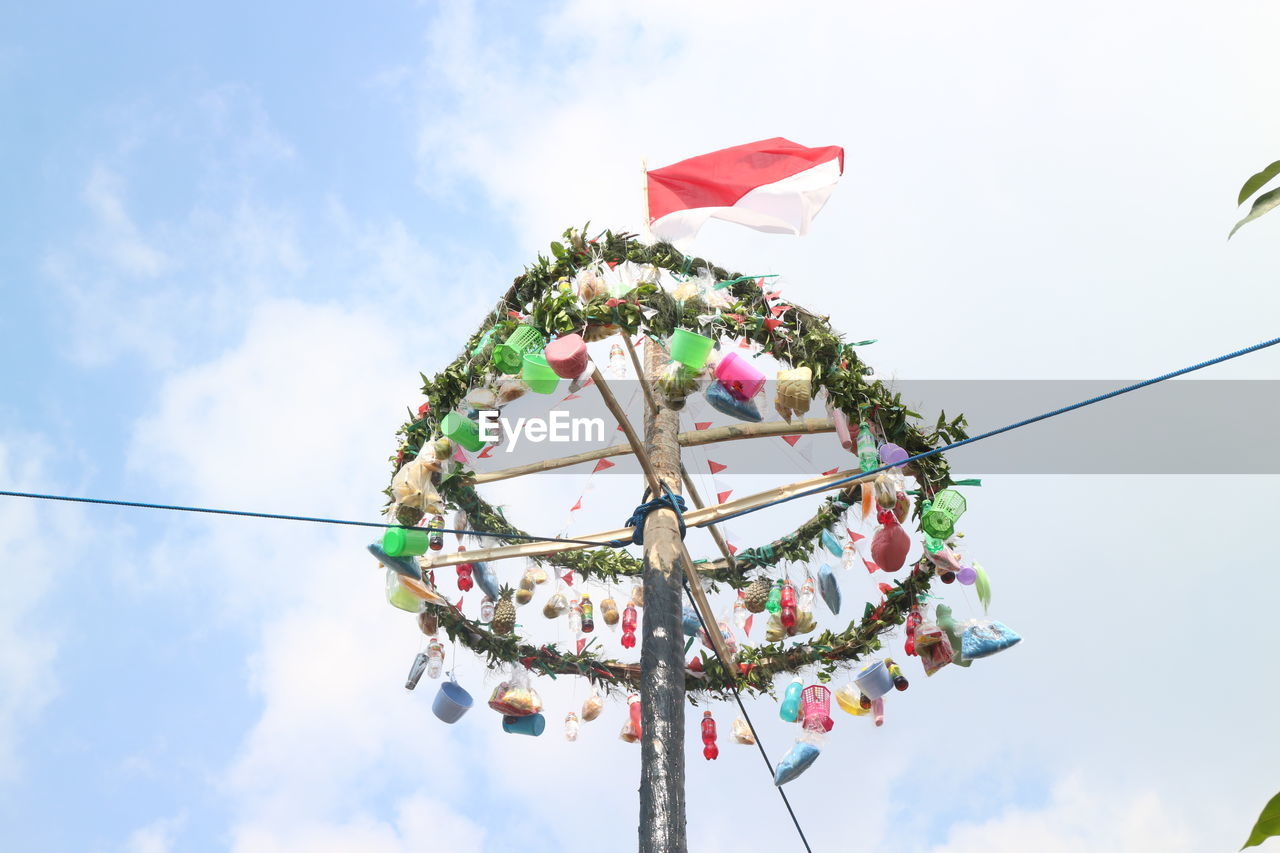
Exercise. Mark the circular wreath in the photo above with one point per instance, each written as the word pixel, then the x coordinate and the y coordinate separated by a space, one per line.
pixel 543 297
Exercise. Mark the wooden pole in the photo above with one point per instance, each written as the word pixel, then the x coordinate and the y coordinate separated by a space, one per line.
pixel 662 800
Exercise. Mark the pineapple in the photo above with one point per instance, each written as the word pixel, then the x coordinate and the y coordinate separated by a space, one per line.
pixel 757 595
pixel 504 613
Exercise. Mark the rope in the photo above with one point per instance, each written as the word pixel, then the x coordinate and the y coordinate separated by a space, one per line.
pixel 281 517
pixel 672 502
pixel 1010 427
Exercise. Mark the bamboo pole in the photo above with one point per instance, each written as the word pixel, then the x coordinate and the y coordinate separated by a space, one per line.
pixel 693 438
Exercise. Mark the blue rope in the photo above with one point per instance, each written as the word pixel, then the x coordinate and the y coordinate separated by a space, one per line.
pixel 675 503
pixel 1027 422
pixel 279 517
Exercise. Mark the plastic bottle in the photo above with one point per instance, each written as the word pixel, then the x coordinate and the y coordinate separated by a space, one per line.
pixel 571 726
pixel 787 598
pixel 575 617
pixel 435 658
pixel 415 671
pixel 740 612
pixel 486 609
pixel 850 557
pixel 617 362
pixel 790 708
pixel 895 672
pixel 807 595
pixel 629 627
pixel 634 702
pixel 465 583
pixel 435 539
pixel 774 604
pixel 868 454
pixel 588 614
pixel 709 749
pixel 914 620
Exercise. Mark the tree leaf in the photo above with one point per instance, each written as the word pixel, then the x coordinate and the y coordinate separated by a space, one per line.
pixel 1255 183
pixel 1261 205
pixel 1268 825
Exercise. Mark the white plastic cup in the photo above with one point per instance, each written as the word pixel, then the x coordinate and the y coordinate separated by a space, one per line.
pixel 874 680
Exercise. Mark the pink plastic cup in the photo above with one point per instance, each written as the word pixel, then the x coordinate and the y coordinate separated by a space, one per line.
pixel 740 377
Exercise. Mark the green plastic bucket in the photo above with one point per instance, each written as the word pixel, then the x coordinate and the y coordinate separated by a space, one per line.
pixel 690 348
pixel 940 518
pixel 538 375
pixel 462 430
pixel 508 354
pixel 402 542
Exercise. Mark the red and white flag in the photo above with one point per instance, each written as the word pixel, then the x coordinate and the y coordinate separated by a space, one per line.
pixel 773 185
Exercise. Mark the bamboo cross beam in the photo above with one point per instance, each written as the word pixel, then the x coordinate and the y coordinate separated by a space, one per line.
pixel 695 518
pixel 693 438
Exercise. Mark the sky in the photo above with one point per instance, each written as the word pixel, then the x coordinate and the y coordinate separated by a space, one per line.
pixel 233 236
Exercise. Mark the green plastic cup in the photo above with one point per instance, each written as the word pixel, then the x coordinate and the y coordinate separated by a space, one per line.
pixel 399 596
pixel 538 375
pixel 508 354
pixel 940 518
pixel 690 348
pixel 463 430
pixel 402 542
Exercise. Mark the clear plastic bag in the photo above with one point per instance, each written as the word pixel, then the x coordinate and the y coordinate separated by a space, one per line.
pixel 592 706
pixel 800 758
pixel 557 605
pixel 742 732
pixel 514 697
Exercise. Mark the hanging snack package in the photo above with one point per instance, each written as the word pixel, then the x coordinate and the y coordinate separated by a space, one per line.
pixel 742 732
pixel 985 637
pixel 934 648
pixel 609 611
pixel 801 756
pixel 557 605
pixel 627 734
pixel 592 706
pixel 675 383
pixel 637 595
pixel 514 697
pixel 525 593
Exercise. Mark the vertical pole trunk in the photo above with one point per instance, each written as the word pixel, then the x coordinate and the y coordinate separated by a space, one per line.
pixel 662 813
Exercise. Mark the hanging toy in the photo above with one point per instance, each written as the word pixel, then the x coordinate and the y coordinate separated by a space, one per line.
pixel 588 620
pixel 709 749
pixel 789 710
pixel 464 573
pixel 435 538
pixel 415 671
pixel 774 604
pixel 787 600
pixel 609 611
pixel 570 726
pixel 868 455
pixel 435 659
pixel 742 733
pixel 486 609
pixel 629 627
pixel 946 621
pixel 895 673
pixel 525 593
pixel 592 706
pixel 806 750
pixel 890 544
pixel 830 589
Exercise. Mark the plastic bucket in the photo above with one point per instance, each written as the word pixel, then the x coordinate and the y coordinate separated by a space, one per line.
pixel 815 708
pixel 401 542
pixel 740 377
pixel 451 702
pixel 508 354
pixel 567 356
pixel 462 430
pixel 874 680
pixel 939 520
pixel 532 725
pixel 538 375
pixel 690 348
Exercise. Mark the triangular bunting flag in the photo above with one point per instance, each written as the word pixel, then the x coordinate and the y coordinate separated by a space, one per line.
pixel 484 454
pixel 571 397
pixel 828 473
pixel 791 439
pixel 779 310
pixel 733 549
pixel 721 497
pixel 701 425
pixel 588 383
pixel 746 626
pixel 772 323
pixel 872 568
pixel 715 467
pixel 576 506
pixel 603 465
pixel 567 577
pixel 582 644
pixel 853 537
pixel 459 455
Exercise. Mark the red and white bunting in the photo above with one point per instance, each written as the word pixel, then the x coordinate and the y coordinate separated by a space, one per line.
pixel 603 465
pixel 791 439
pixel 715 467
pixel 701 425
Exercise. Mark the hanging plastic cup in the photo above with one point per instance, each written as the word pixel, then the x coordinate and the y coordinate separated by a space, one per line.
pixel 451 702
pixel 538 375
pixel 939 520
pixel 874 680
pixel 892 454
pixel 740 377
pixel 531 725
pixel 462 430
pixel 405 542
pixel 508 356
pixel 567 356
pixel 690 349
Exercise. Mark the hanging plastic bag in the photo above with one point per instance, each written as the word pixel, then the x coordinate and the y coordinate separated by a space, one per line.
pixel 726 404
pixel 830 589
pixel 742 732
pixel 557 605
pixel 592 706
pixel 609 611
pixel 890 544
pixel 984 637
pixel 525 593
pixel 806 750
pixel 675 383
pixel 514 697
pixel 934 648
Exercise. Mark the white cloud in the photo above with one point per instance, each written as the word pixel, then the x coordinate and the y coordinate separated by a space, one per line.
pixel 156 837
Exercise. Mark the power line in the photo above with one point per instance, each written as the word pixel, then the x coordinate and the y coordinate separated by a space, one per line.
pixel 991 433
pixel 282 517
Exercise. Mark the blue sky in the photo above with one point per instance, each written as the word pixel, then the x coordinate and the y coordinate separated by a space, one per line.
pixel 232 237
